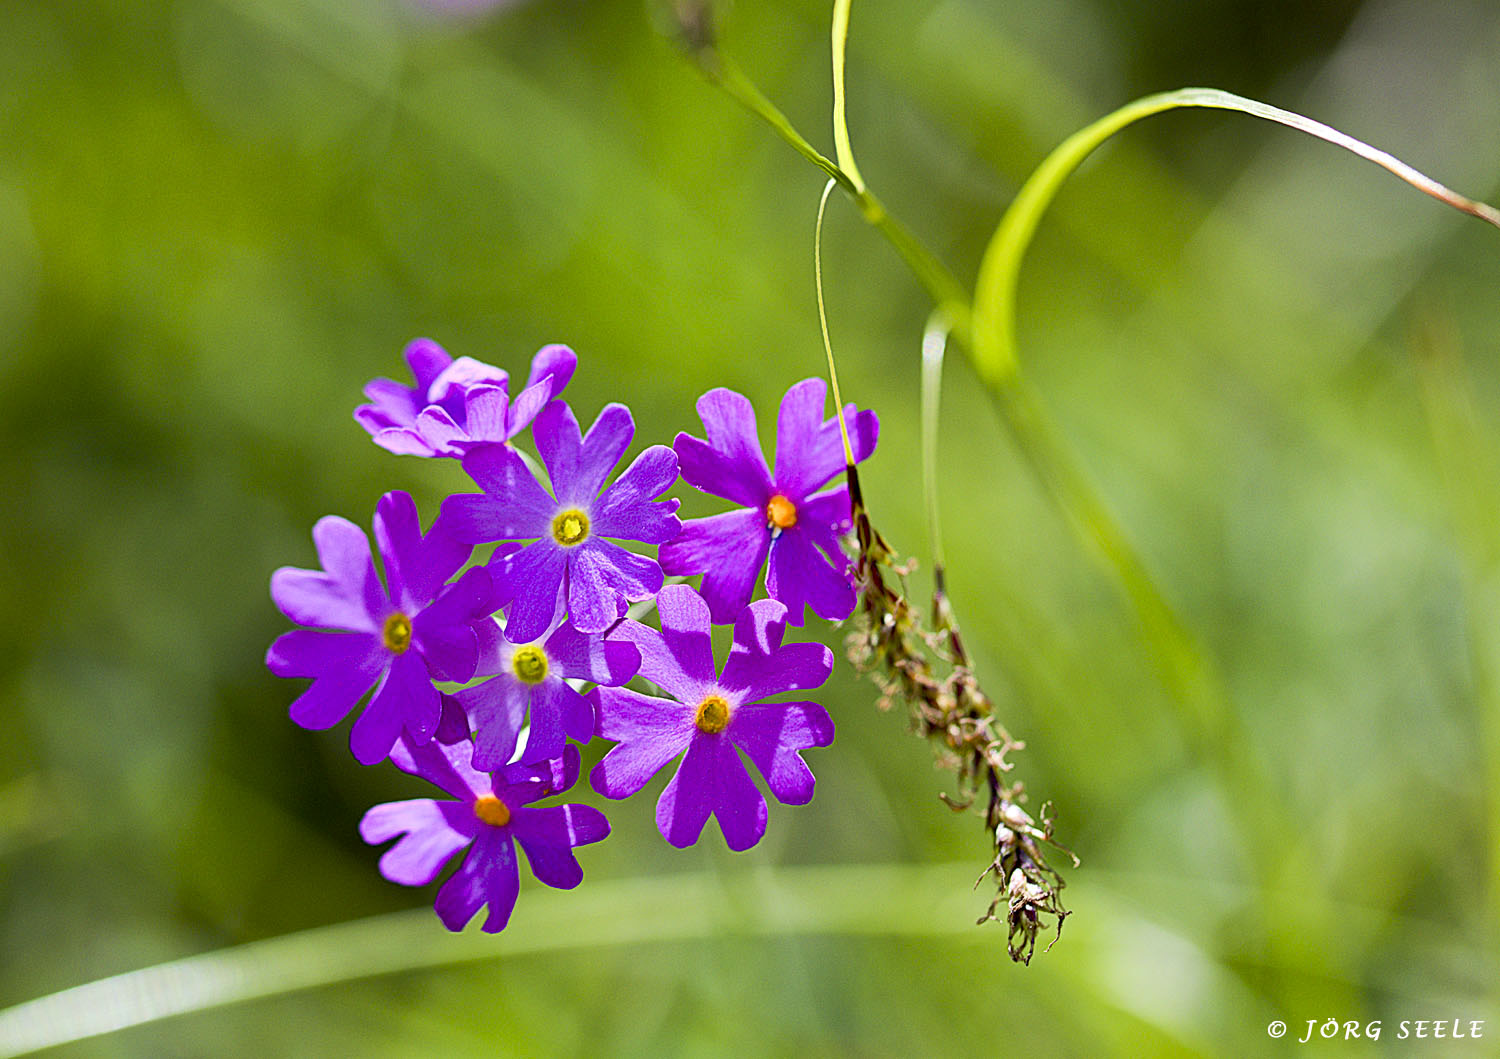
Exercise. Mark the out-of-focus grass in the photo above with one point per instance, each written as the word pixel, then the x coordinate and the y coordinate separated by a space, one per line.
pixel 218 219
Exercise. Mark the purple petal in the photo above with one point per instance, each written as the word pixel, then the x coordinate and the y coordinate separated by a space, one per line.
pixel 602 448
pixel 397 405
pixel 513 506
pixel 427 361
pixel 738 803
pixel 626 509
pixel 488 876
pixel 344 552
pixel 533 579
pixel 453 727
pixel 685 630
pixel 577 710
pixel 581 656
pixel 405 701
pixel 679 659
pixel 759 665
pixel 553 364
pixel 527 406
pixel 486 409
pixel 558 441
pixel 728 550
pixel 600 575
pixel 810 449
pixel 440 432
pixel 772 733
pixel 548 836
pixel 445 765
pixel 730 463
pixel 651 732
pixel 545 738
pixel 406 441
pixel 415 566
pixel 306 653
pixel 558 713
pixel 496 710
pixel 445 631
pixel 449 388
pixel 331 697
pixel 685 805
pixel 311 597
pixel 429 839
pixel 798 573
pixel 491 638
pixel 523 783
pixel 826 517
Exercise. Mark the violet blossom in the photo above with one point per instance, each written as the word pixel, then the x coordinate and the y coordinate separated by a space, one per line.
pixel 398 638
pixel 488 814
pixel 458 404
pixel 533 678
pixel 711 717
pixel 570 560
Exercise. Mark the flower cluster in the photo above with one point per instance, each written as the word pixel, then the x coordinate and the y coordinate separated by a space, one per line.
pixel 481 664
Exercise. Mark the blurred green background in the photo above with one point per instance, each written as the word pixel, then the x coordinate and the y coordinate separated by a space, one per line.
pixel 219 218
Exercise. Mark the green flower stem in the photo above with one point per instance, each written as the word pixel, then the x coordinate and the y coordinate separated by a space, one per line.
pixel 1187 671
pixel 1296 932
pixel 949 295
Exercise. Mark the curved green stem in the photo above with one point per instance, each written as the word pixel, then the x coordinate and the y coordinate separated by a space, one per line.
pixel 943 287
pixel 995 293
pixel 841 147
pixel 987 331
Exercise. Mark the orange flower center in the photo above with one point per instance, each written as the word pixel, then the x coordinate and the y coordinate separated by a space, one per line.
pixel 713 715
pixel 781 512
pixel 492 811
pixel 396 635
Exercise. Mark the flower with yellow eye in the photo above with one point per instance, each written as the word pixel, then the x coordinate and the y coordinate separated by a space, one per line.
pixel 570 558
pixel 712 717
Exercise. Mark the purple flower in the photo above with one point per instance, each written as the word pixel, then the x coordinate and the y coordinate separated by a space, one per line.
pixel 457 404
pixel 398 638
pixel 571 559
pixel 713 717
pixel 490 815
pixel 536 675
pixel 782 515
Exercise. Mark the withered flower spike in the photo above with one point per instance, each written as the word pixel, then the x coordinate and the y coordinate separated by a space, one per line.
pixel 953 712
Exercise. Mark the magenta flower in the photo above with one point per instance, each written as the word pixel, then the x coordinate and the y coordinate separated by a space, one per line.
pixel 490 813
pixel 782 516
pixel 570 559
pixel 535 676
pixel 712 718
pixel 397 638
pixel 457 404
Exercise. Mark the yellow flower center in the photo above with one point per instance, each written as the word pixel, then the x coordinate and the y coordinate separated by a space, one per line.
pixel 570 527
pixel 713 715
pixel 781 512
pixel 529 664
pixel 396 635
pixel 492 811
